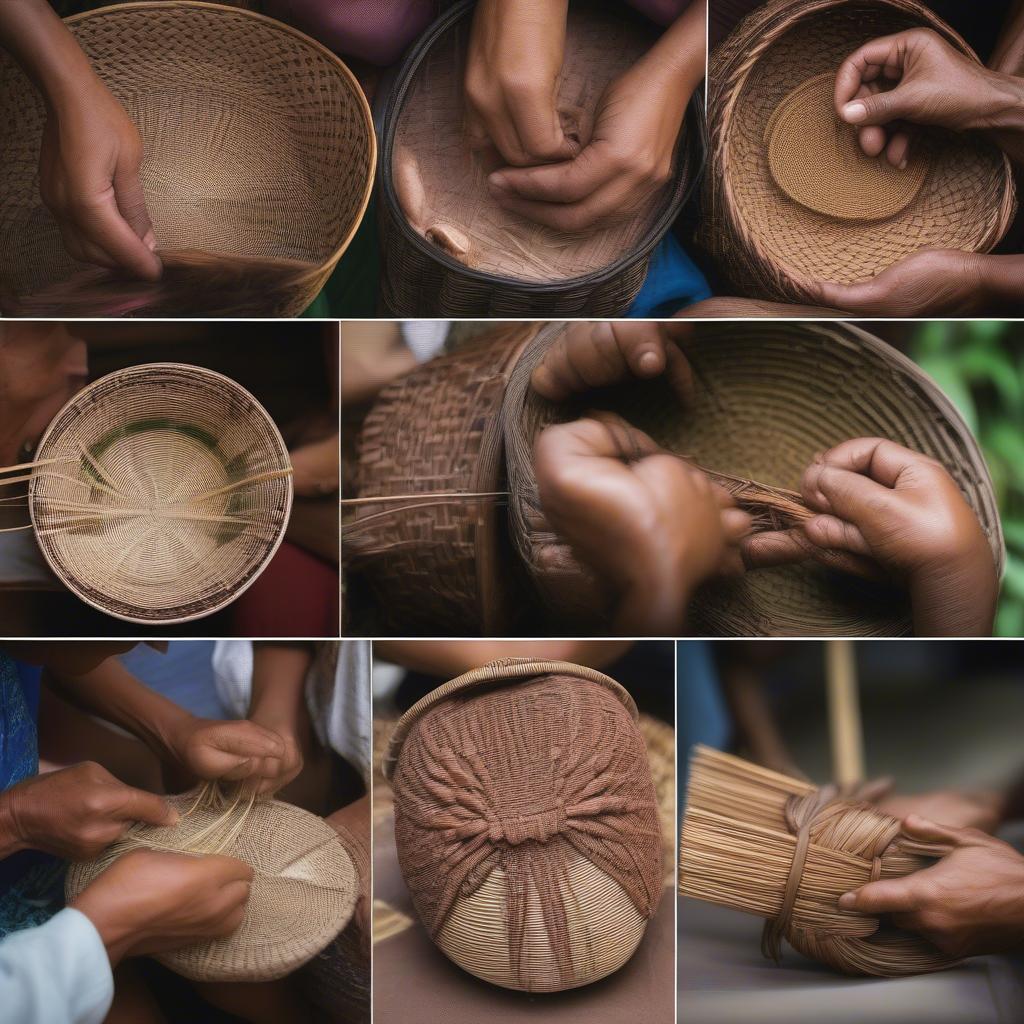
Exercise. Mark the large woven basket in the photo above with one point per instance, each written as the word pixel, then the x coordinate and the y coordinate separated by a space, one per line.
pixel 258 142
pixel 512 268
pixel 437 564
pixel 304 889
pixel 532 849
pixel 161 492
pixel 770 395
pixel 790 200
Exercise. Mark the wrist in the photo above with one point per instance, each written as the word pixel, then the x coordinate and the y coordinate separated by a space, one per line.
pixel 12 835
pixel 1000 106
pixel 654 601
pixel 168 735
pixel 115 933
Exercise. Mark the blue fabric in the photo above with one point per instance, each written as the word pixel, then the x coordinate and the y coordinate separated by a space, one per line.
pixel 184 674
pixel 31 883
pixel 673 282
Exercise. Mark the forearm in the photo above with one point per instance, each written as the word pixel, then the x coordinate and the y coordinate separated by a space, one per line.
pixel 112 693
pixel 1002 280
pixel 959 603
pixel 1008 55
pixel 10 840
pixel 278 687
pixel 40 42
pixel 678 58
pixel 649 609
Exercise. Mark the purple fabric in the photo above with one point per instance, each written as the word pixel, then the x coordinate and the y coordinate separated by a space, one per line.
pixel 661 12
pixel 377 31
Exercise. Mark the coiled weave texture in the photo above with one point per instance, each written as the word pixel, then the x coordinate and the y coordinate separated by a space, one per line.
pixel 168 492
pixel 527 824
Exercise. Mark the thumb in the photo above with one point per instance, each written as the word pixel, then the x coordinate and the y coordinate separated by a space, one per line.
pixel 880 107
pixel 131 202
pixel 917 827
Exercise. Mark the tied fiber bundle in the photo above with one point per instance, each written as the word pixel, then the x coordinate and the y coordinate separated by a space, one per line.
pixel 160 492
pixel 767 398
pixel 793 199
pixel 758 842
pixel 258 144
pixel 436 564
pixel 527 824
pixel 449 248
pixel 303 893
pixel 192 282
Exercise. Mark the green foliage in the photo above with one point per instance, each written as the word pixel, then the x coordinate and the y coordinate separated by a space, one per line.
pixel 980 366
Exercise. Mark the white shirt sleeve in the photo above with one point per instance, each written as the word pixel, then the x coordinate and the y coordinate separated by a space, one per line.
pixel 58 973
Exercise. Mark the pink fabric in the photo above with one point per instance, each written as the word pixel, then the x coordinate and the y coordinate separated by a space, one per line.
pixel 377 31
pixel 662 12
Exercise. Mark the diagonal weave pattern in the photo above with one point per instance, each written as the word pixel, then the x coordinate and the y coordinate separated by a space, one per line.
pixel 303 893
pixel 258 142
pixel 527 824
pixel 768 397
pixel 170 492
pixel 766 844
pixel 771 246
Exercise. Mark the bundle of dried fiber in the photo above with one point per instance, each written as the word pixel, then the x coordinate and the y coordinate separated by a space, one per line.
pixel 193 283
pixel 786 851
pixel 527 824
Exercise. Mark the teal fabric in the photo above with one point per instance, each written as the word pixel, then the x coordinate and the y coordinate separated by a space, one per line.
pixel 351 291
pixel 673 282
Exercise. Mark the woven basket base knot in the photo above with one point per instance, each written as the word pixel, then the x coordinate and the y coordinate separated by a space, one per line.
pixel 817 161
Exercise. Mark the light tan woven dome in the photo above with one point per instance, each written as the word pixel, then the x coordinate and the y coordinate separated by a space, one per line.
pixel 258 142
pixel 527 824
pixel 303 893
pixel 790 199
pixel 162 494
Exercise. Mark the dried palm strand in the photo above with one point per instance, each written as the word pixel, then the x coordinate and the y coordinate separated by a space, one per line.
pixel 758 842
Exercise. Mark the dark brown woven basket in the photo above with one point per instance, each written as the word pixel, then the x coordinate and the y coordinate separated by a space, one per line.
pixel 420 278
pixel 770 395
pixel 769 244
pixel 433 566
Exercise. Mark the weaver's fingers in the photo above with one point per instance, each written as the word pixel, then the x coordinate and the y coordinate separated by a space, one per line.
pixel 246 739
pixel 775 547
pixel 827 531
pixel 876 61
pixel 624 441
pixel 100 221
pixel 736 524
pixel 883 460
pixel 558 184
pixel 140 805
pixel 888 896
pixel 228 870
pixel 918 827
pixel 845 494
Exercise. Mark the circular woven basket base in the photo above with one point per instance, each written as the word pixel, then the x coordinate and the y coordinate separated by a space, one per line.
pixel 817 161
pixel 303 893
pixel 168 495
pixel 605 929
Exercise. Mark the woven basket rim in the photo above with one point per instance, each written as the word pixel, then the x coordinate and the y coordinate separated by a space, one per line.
pixel 279 26
pixel 496 672
pixel 682 191
pixel 760 42
pixel 199 371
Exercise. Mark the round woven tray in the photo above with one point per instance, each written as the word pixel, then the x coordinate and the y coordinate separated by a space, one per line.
pixel 791 198
pixel 770 395
pixel 513 267
pixel 604 926
pixel 303 893
pixel 258 142
pixel 438 566
pixel 163 492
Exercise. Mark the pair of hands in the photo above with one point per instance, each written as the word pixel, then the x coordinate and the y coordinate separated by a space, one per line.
pixel 563 181
pixel 656 527
pixel 885 87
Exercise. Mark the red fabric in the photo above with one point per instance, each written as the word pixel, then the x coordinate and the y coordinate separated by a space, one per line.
pixel 297 595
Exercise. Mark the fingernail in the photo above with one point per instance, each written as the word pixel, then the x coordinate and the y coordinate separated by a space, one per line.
pixel 497 182
pixel 854 112
pixel 649 362
pixel 149 239
pixel 903 164
pixel 174 817
pixel 848 901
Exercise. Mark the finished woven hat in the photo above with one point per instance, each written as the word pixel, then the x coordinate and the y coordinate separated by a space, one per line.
pixel 526 823
pixel 769 396
pixel 258 143
pixel 790 198
pixel 160 492
pixel 448 248
pixel 304 889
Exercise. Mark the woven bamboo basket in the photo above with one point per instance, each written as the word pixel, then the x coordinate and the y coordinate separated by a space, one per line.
pixel 770 395
pixel 527 824
pixel 160 492
pixel 438 564
pixel 448 249
pixel 304 889
pixel 790 199
pixel 258 143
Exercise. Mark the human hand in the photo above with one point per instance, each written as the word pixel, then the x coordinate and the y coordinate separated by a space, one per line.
pixel 926 283
pixel 515 58
pixel 876 500
pixel 648 521
pixel 151 902
pixel 76 813
pixel 970 903
pixel 316 467
pixel 628 158
pixel 961 809
pixel 917 76
pixel 89 165
pixel 235 751
pixel 596 354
